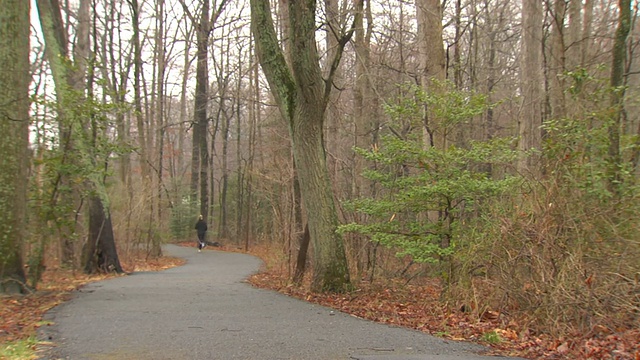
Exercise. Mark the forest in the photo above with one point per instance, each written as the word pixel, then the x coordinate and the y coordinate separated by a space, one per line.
pixel 490 148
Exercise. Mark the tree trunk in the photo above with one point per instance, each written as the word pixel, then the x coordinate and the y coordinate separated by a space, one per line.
pixel 576 41
pixel 68 192
pixel 302 96
pixel 617 92
pixel 531 80
pixel 66 80
pixel 14 141
pixel 363 115
pixel 225 175
pixel 183 111
pixel 100 250
pixel 586 32
pixel 137 92
pixel 201 151
pixel 457 61
pixel 240 172
pixel 432 64
pixel 557 59
pixel 432 55
pixel 332 116
pixel 363 122
pixel 301 260
pixel 156 249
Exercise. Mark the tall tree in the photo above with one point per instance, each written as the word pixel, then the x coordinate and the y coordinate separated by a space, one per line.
pixel 137 92
pixel 70 82
pixel 362 90
pixel 617 83
pixel 161 60
pixel 432 62
pixel 557 59
pixel 302 95
pixel 531 80
pixel 14 141
pixel 200 151
pixel 334 22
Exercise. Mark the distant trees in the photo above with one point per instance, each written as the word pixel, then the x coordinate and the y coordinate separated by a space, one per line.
pixel 15 77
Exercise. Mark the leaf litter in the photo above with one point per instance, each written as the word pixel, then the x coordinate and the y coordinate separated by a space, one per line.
pixel 419 307
pixel 412 306
pixel 22 315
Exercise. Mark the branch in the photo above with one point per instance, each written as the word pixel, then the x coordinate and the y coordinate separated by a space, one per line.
pixel 342 42
pixel 187 12
pixel 272 58
pixel 164 187
pixel 216 14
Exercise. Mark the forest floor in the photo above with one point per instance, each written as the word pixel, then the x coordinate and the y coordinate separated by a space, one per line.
pixel 414 306
pixel 418 306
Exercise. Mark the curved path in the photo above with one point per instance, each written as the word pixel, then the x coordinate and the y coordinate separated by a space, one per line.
pixel 204 310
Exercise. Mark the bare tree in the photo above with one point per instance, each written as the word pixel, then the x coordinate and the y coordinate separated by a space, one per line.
pixel 617 83
pixel 200 151
pixel 531 79
pixel 432 55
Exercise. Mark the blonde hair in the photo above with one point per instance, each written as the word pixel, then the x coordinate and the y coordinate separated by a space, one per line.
pixel 200 217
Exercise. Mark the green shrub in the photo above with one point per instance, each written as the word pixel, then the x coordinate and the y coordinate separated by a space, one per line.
pixel 428 191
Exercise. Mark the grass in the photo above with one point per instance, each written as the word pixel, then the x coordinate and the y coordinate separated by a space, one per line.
pixel 22 349
pixel 491 337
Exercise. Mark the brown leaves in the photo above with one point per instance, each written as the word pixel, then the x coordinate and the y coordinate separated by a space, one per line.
pixel 589 280
pixel 20 316
pixel 419 307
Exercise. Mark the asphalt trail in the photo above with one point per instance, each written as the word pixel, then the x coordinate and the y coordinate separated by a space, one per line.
pixel 205 310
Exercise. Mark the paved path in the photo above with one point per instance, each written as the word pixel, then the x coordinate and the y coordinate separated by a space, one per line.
pixel 204 310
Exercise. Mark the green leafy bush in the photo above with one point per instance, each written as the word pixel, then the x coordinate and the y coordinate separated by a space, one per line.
pixel 428 190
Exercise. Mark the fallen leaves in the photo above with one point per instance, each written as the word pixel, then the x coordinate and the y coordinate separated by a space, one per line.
pixel 419 307
pixel 21 316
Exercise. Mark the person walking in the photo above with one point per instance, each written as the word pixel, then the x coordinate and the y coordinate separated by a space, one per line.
pixel 201 228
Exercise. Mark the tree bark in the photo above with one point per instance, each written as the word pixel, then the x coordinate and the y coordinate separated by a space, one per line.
pixel 557 59
pixel 363 119
pixel 137 92
pixel 200 151
pixel 432 63
pixel 14 141
pixel 332 117
pixel 156 249
pixel 302 95
pixel 618 92
pixel 68 192
pixel 531 80
pixel 68 80
pixel 432 55
pixel 100 251
pixel 201 103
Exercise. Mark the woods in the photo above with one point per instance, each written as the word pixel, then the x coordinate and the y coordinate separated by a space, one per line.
pixel 489 146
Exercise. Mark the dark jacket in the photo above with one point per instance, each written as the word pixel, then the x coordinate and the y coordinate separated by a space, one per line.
pixel 201 226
